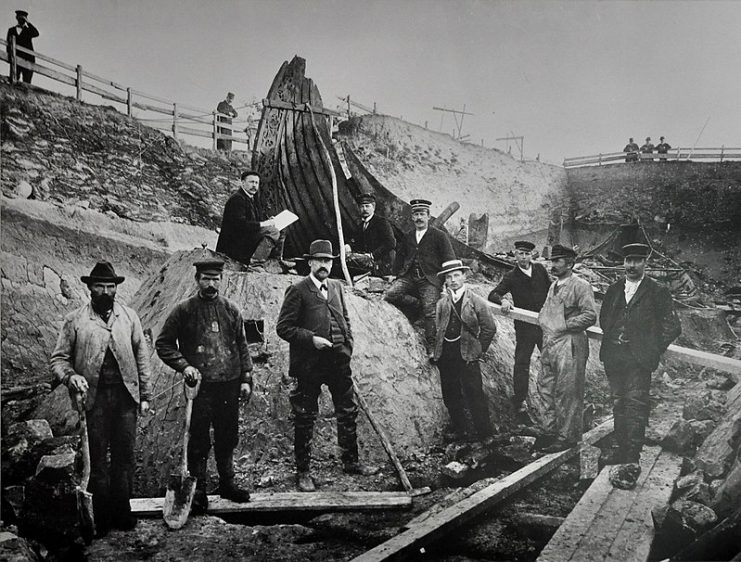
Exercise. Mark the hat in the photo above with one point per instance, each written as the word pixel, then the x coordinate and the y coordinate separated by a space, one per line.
pixel 452 265
pixel 524 245
pixel 320 249
pixel 209 266
pixel 23 13
pixel 229 95
pixel 636 250
pixel 661 138
pixel 418 204
pixel 559 251
pixel 102 272
pixel 631 139
pixel 367 198
pixel 648 138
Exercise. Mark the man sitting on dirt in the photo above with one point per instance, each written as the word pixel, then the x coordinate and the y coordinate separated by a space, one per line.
pixel 419 257
pixel 639 322
pixel 314 320
pixel 247 234
pixel 372 246
pixel 465 329
pixel 102 357
pixel 569 309
pixel 204 338
pixel 527 285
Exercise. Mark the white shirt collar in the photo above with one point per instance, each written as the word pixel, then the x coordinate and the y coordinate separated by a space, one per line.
pixel 318 284
pixel 420 233
pixel 245 192
pixel 366 221
pixel 456 295
pixel 631 287
pixel 528 271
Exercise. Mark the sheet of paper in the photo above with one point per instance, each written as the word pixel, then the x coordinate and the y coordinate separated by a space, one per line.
pixel 284 218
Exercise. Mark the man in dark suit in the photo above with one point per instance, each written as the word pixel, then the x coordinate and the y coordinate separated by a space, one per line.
pixel 528 285
pixel 314 320
pixel 23 32
pixel 639 322
pixel 227 112
pixel 631 150
pixel 419 258
pixel 372 246
pixel 663 148
pixel 647 148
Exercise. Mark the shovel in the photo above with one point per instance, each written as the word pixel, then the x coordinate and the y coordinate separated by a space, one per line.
pixel 84 498
pixel 181 486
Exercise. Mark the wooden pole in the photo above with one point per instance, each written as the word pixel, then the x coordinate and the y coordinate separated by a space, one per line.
pixel 78 83
pixel 215 131
pixel 129 100
pixel 175 121
pixel 13 64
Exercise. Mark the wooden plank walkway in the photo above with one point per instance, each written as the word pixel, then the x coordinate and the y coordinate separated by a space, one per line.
pixel 615 525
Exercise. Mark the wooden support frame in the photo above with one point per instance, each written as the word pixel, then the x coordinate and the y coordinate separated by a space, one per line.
pixel 303 107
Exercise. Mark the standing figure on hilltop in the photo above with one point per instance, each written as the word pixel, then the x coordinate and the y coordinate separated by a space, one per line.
pixel 663 148
pixel 227 112
pixel 372 246
pixel 631 150
pixel 24 33
pixel 647 148
pixel 465 329
pixel 569 309
pixel 314 320
pixel 639 322
pixel 419 257
pixel 102 357
pixel 527 285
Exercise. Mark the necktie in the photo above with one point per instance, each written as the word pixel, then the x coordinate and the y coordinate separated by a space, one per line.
pixel 323 287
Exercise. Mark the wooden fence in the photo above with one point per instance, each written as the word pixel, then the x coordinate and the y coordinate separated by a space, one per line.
pixel 675 154
pixel 182 119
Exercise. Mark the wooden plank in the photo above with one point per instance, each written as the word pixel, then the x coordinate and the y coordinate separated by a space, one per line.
pixel 290 501
pixel 88 87
pixel 302 107
pixel 105 81
pixel 439 524
pixel 44 57
pixel 45 71
pixel 151 97
pixel 147 107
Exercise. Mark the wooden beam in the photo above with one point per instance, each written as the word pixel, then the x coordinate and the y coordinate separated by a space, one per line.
pixel 304 107
pixel 290 501
pixel 440 524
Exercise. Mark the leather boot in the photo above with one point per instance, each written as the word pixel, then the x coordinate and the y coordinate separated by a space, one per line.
pixel 229 490
pixel 304 482
pixel 357 467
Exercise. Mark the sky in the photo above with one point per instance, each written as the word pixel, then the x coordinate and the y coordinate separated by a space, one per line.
pixel 574 78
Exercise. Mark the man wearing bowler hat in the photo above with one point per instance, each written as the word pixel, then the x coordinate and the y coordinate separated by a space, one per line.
pixel 419 257
pixel 569 309
pixel 102 357
pixel 527 285
pixel 639 322
pixel 372 245
pixel 465 329
pixel 23 32
pixel 203 338
pixel 314 320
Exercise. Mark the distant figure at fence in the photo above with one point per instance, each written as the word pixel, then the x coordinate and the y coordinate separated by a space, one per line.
pixel 631 150
pixel 23 32
pixel 647 148
pixel 663 148
pixel 225 107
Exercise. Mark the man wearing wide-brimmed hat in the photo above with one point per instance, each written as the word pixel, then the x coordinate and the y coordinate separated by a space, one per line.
pixel 465 329
pixel 639 322
pixel 314 320
pixel 569 309
pixel 419 257
pixel 23 32
pixel 372 245
pixel 102 357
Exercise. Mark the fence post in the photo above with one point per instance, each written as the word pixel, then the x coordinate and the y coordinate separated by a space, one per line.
pixel 13 64
pixel 175 121
pixel 215 133
pixel 600 158
pixel 722 146
pixel 128 101
pixel 78 82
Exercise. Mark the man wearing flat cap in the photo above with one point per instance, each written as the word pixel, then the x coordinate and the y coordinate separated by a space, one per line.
pixel 527 284
pixel 419 258
pixel 203 338
pixel 638 322
pixel 102 357
pixel 314 321
pixel 226 112
pixel 569 309
pixel 23 32
pixel 465 329
pixel 372 245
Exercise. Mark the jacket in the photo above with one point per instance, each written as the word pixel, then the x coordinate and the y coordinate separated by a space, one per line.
pixel 650 322
pixel 378 239
pixel 82 344
pixel 478 326
pixel 579 309
pixel 432 251
pixel 527 292
pixel 207 334
pixel 23 39
pixel 240 226
pixel 305 313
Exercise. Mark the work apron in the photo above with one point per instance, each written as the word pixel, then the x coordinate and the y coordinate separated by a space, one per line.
pixel 561 382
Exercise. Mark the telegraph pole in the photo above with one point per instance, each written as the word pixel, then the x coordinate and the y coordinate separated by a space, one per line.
pixel 455 113
pixel 519 142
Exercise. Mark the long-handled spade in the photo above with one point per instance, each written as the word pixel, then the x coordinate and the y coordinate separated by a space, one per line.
pixel 181 486
pixel 85 516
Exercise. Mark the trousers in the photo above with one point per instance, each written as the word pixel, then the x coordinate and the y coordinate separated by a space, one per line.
pixel 461 386
pixel 527 337
pixel 410 294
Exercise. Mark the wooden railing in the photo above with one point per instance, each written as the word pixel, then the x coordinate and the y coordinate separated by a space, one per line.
pixel 182 119
pixel 675 154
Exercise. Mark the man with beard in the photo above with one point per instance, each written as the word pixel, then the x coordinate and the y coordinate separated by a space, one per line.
pixel 204 338
pixel 372 246
pixel 569 309
pixel 639 322
pixel 314 320
pixel 419 257
pixel 102 357
pixel 528 285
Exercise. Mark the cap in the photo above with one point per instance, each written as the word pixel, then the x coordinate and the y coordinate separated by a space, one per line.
pixel 418 204
pixel 320 249
pixel 209 266
pixel 367 198
pixel 661 138
pixel 452 265
pixel 648 138
pixel 559 251
pixel 524 245
pixel 23 13
pixel 636 251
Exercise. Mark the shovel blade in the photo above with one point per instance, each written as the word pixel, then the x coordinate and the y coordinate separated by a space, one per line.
pixel 178 498
pixel 85 516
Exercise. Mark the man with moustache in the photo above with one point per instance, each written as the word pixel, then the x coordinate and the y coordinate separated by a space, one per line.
pixel 569 309
pixel 372 246
pixel 314 320
pixel 639 322
pixel 465 329
pixel 24 32
pixel 101 355
pixel 527 284
pixel 419 257
pixel 203 338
